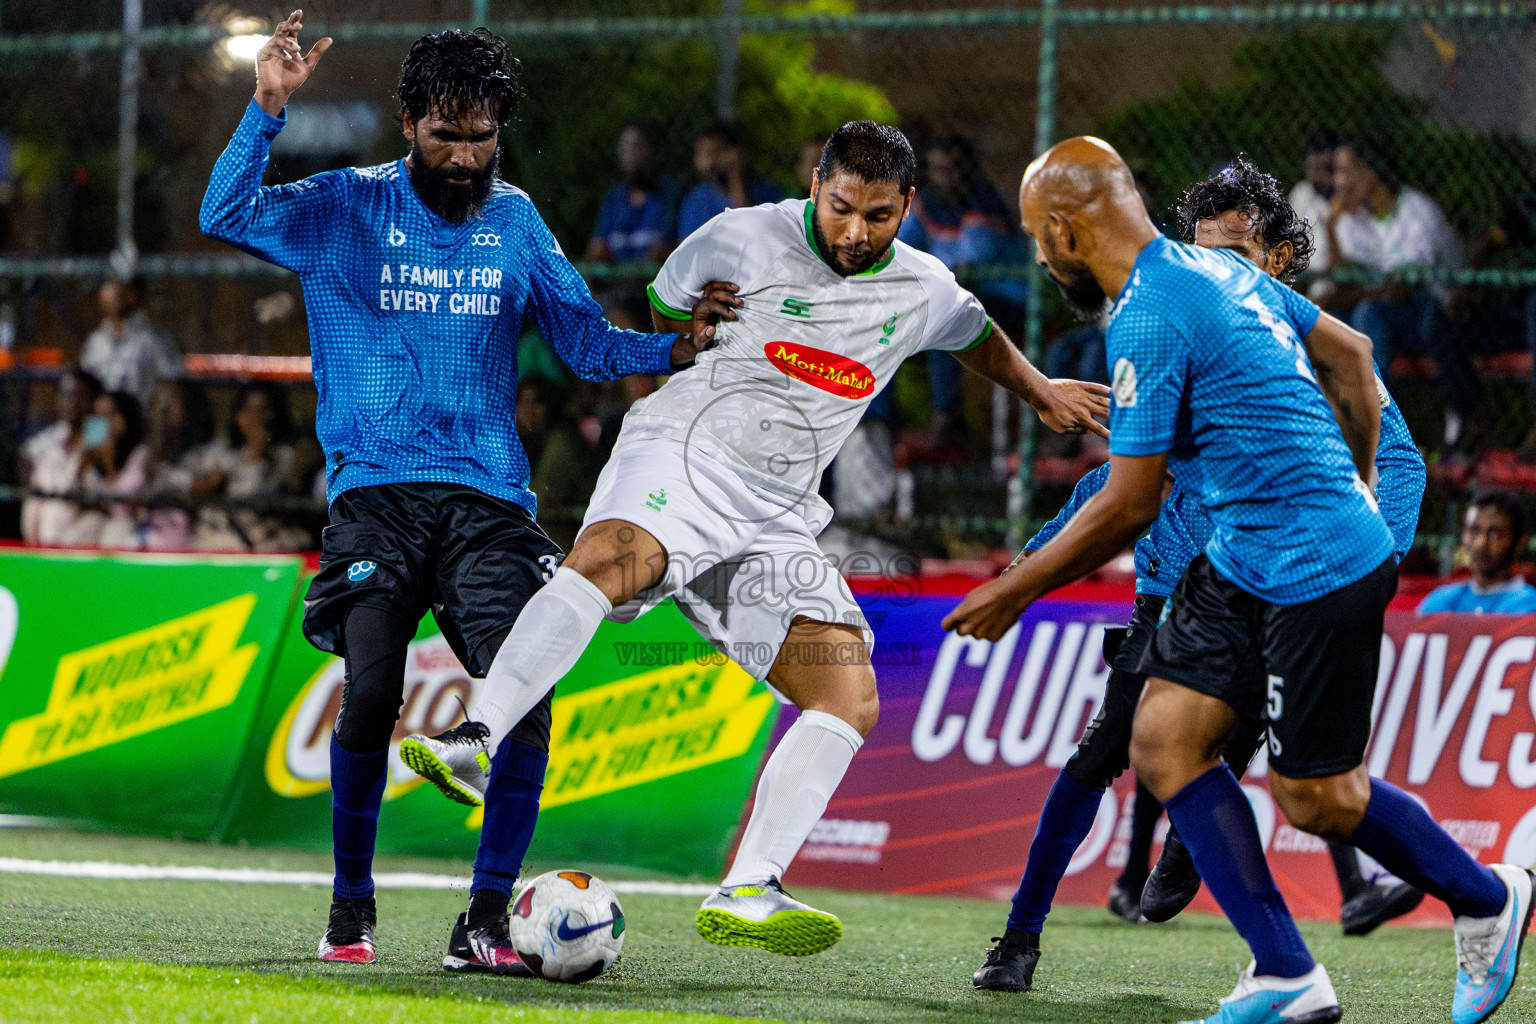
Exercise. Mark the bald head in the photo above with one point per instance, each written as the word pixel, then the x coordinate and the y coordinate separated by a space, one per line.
pixel 1077 174
pixel 1078 200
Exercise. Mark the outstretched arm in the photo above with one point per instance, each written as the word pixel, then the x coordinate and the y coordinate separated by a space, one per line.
pixel 1101 529
pixel 282 224
pixel 1066 406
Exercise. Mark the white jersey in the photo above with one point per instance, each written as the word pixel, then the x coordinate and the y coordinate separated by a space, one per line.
pixel 785 384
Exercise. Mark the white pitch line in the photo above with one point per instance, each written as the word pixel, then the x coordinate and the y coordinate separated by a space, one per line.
pixel 260 876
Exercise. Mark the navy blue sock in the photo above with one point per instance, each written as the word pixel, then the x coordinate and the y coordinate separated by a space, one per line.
pixel 1216 823
pixel 1405 840
pixel 1065 821
pixel 357 789
pixel 511 811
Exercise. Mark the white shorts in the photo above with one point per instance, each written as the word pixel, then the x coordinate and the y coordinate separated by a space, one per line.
pixel 740 567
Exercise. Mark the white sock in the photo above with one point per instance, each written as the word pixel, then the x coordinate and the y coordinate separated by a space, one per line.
pixel 556 625
pixel 797 782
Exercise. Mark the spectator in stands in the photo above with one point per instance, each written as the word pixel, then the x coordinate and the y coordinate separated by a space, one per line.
pixel 1493 537
pixel 52 459
pixel 960 218
pixel 1377 224
pixel 1511 244
pixel 254 461
pixel 115 470
pixel 726 181
pixel 1312 196
pixel 638 218
pixel 127 352
pixel 180 430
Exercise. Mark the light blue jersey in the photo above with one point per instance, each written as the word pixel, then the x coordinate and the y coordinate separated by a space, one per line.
pixel 413 321
pixel 1208 365
pixel 1514 597
pixel 1177 535
pixel 1182 529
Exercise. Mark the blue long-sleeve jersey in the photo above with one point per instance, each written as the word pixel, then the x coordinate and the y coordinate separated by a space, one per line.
pixel 413 321
pixel 1182 529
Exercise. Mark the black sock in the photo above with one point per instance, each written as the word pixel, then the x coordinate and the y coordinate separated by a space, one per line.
pixel 485 906
pixel 1021 939
pixel 1143 824
pixel 1346 864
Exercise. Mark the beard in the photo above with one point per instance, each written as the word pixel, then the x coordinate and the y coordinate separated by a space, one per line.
pixel 860 260
pixel 1082 292
pixel 452 193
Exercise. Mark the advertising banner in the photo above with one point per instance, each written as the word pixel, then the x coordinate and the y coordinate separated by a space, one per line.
pixel 129 684
pixel 177 695
pixel 946 792
pixel 655 742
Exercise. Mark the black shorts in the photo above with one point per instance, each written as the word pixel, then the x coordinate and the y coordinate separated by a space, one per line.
pixel 1308 670
pixel 474 560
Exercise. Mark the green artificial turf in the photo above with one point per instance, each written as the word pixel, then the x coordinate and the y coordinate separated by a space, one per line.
pixel 902 959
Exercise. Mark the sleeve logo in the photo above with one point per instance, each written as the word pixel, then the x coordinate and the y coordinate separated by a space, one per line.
pixel 1125 383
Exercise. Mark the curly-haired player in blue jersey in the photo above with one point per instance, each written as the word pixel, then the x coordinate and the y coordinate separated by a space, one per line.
pixel 417 275
pixel 1278 438
pixel 1242 209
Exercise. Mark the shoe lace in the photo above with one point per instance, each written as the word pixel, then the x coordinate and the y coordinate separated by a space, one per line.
pixel 1477 946
pixel 468 731
pixel 497 932
pixel 995 954
pixel 349 922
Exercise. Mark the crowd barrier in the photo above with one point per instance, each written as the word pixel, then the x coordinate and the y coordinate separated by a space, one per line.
pixel 175 695
pixel 944 796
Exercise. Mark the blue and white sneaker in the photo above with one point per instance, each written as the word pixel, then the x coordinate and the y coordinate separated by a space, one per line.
pixel 1488 950
pixel 1260 999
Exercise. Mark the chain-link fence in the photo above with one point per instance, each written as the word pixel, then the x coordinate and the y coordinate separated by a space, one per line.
pixel 1437 99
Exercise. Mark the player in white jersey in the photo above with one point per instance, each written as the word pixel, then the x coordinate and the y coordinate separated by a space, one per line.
pixel 710 495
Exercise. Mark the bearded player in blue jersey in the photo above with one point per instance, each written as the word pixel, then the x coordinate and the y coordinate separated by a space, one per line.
pixel 1241 209
pixel 417 275
pixel 1278 439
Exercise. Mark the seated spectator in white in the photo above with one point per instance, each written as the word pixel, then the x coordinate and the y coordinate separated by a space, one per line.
pixel 725 183
pixel 255 460
pixel 180 431
pixel 51 461
pixel 127 352
pixel 1493 537
pixel 114 471
pixel 638 218
pixel 1377 224
pixel 1312 196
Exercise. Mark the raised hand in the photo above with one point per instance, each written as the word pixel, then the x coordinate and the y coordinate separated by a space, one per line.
pixel 1069 407
pixel 280 69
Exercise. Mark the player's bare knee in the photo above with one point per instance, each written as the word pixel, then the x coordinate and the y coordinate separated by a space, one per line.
pixel 618 558
pixel 1329 807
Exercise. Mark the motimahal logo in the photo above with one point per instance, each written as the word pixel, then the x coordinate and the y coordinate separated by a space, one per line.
pixel 136 684
pixel 835 374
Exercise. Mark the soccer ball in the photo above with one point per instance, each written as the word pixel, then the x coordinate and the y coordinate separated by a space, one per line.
pixel 567 926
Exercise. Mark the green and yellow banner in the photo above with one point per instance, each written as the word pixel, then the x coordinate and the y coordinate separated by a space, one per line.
pixel 177 695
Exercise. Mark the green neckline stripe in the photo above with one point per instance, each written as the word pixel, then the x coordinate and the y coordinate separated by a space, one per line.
pixel 664 309
pixel 986 332
pixel 810 240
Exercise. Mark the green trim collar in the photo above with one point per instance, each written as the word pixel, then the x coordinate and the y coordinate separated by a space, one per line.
pixel 810 240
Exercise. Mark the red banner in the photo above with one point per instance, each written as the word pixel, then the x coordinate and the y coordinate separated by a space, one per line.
pixel 946 792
